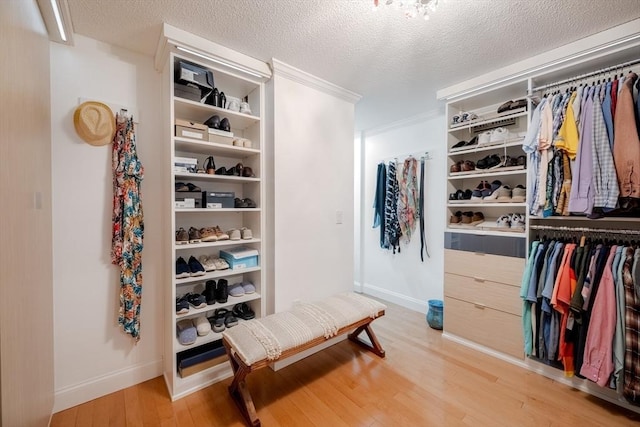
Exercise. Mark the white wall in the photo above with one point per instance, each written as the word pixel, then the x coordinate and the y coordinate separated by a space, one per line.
pixel 26 287
pixel 92 355
pixel 402 278
pixel 313 179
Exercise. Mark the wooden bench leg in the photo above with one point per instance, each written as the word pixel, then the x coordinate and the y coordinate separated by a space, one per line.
pixel 374 347
pixel 239 391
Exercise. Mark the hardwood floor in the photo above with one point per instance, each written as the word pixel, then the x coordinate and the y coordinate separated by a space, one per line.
pixel 424 381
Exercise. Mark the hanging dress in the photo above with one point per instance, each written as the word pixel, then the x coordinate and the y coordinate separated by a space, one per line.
pixel 128 224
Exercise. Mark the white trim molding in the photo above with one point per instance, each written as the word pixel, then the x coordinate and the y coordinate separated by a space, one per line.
pixel 620 38
pixel 406 122
pixel 287 71
pixel 76 394
pixel 396 298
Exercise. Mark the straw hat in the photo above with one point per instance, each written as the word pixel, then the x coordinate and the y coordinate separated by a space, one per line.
pixel 94 123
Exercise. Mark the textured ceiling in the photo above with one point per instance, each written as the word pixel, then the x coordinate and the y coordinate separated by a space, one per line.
pixel 396 64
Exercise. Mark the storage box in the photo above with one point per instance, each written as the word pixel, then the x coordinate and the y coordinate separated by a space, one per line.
pixel 200 358
pixel 188 73
pixel 220 137
pixel 190 91
pixel 193 130
pixel 188 199
pixel 217 199
pixel 240 257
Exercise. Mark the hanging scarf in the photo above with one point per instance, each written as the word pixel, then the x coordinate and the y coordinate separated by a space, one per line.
pixel 378 203
pixel 408 197
pixel 392 226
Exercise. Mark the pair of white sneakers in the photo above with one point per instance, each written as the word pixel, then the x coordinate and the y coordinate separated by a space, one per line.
pixel 493 136
pixel 243 233
pixel 511 221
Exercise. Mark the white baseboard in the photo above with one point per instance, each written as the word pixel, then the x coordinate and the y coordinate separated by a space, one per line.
pixel 395 297
pixel 93 388
pixel 357 287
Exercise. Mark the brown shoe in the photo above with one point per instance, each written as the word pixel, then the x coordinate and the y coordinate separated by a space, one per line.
pixel 182 237
pixel 467 166
pixel 208 234
pixel 477 218
pixel 194 235
pixel 220 234
pixel 455 167
pixel 456 218
pixel 467 217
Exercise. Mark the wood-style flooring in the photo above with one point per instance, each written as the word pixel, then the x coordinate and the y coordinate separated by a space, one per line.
pixel 425 380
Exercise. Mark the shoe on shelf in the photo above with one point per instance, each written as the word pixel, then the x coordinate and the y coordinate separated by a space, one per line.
pixel 236 290
pixel 186 332
pixel 182 237
pixel 250 203
pixel 491 161
pixel 182 305
pixel 234 234
pixel 504 107
pixel 220 264
pixel 499 135
pixel 182 268
pixel 217 324
pixel 249 288
pixel 208 234
pixel 504 194
pixel 522 161
pixel 468 166
pixel 243 311
pixel 203 327
pixel 456 218
pixel 194 235
pixel 196 268
pixel 456 167
pixel 518 194
pixel 181 187
pixel 246 233
pixel 196 300
pixel 220 235
pixel 193 188
pixel 484 138
pixel 504 222
pixel 222 291
pixel 230 320
pixel 490 189
pixel 459 145
pixel 207 262
pixel 467 217
pixel 209 292
pixel 517 222
pixel 239 203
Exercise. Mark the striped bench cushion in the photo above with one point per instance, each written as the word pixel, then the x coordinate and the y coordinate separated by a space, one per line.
pixel 266 338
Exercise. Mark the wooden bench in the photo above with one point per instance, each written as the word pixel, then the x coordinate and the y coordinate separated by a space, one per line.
pixel 257 343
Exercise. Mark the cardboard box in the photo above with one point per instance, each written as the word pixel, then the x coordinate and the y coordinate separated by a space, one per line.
pixel 188 199
pixel 216 136
pixel 193 130
pixel 240 257
pixel 218 200
pixel 189 73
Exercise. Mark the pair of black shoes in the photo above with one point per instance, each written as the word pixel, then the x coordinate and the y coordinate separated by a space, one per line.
pixel 216 292
pixel 460 195
pixel 492 161
pixel 244 203
pixel 465 144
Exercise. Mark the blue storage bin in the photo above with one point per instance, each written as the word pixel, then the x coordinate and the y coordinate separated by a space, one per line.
pixel 435 313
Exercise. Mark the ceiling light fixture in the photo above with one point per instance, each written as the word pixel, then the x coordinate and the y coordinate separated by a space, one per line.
pixel 218 61
pixel 411 8
pixel 56 13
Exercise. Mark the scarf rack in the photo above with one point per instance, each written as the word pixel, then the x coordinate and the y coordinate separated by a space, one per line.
pixel 426 155
pixel 587 75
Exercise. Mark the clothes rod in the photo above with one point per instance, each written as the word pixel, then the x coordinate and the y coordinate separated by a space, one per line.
pixel 587 75
pixel 426 155
pixel 584 229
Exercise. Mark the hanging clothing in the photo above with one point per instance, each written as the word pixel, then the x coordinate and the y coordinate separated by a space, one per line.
pixel 423 240
pixel 392 225
pixel 408 197
pixel 530 146
pixel 605 179
pixel 128 224
pixel 631 386
pixel 581 199
pixel 378 203
pixel 627 143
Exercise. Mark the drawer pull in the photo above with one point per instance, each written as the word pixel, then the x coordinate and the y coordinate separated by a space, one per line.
pixel 479 279
pixel 480 306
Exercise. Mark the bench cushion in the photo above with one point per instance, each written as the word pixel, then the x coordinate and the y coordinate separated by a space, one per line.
pixel 266 338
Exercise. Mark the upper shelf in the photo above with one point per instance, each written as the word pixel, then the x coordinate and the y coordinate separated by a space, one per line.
pixel 489 172
pixel 482 121
pixel 205 147
pixel 221 178
pixel 196 111
pixel 476 148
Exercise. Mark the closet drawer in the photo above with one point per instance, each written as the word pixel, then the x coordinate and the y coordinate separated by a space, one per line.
pixel 494 268
pixel 488 327
pixel 478 291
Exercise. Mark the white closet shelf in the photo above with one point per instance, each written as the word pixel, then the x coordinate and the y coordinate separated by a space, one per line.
pixel 477 231
pixel 231 301
pixel 203 210
pixel 607 219
pixel 487 121
pixel 195 111
pixel 513 170
pixel 217 274
pixel 210 337
pixel 208 177
pixel 477 148
pixel 191 246
pixel 206 147
pixel 453 204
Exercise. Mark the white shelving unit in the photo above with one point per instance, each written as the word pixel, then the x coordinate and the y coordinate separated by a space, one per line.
pixel 250 126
